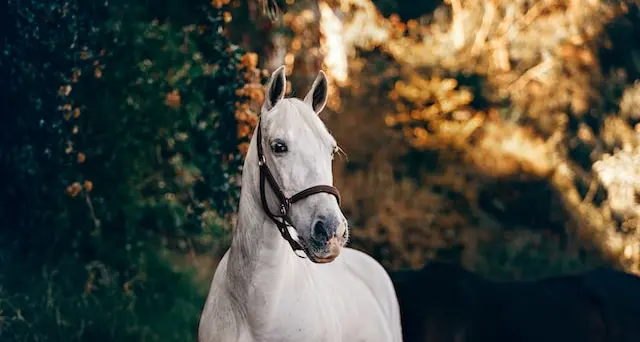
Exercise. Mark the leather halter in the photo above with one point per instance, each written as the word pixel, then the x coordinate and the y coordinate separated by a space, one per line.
pixel 283 220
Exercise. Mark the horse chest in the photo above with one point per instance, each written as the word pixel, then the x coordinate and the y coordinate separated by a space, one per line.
pixel 311 314
pixel 294 316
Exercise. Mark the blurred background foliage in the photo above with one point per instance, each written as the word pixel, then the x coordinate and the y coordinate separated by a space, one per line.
pixel 120 139
pixel 503 135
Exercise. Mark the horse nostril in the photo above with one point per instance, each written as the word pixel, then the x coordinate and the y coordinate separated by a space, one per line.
pixel 319 230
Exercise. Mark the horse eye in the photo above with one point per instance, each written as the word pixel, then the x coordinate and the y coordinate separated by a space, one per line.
pixel 279 147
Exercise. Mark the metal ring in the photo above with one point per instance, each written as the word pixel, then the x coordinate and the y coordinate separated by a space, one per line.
pixel 301 255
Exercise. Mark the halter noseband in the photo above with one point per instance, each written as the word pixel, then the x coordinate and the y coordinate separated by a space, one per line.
pixel 283 220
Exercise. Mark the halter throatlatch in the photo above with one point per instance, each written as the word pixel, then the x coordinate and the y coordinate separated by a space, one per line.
pixel 283 220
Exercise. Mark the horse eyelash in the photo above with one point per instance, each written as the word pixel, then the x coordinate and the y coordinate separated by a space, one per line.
pixel 341 152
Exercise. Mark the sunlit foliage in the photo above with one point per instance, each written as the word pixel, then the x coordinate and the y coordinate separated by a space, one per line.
pixel 497 95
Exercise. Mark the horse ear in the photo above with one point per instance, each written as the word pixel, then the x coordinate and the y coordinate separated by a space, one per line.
pixel 276 88
pixel 317 96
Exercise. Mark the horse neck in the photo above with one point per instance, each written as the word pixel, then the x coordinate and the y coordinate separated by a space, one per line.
pixel 258 253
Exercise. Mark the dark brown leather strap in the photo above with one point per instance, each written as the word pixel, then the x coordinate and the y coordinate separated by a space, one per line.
pixel 283 220
pixel 315 190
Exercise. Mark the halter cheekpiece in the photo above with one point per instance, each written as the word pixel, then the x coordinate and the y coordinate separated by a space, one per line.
pixel 283 220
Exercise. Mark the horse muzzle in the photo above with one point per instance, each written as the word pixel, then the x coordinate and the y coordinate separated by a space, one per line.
pixel 327 242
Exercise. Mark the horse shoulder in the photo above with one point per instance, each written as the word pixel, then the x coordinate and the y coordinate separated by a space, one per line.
pixel 378 281
pixel 218 322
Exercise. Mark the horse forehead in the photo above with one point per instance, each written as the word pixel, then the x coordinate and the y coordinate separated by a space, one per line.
pixel 292 117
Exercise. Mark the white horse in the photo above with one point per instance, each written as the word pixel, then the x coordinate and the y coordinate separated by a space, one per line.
pixel 264 291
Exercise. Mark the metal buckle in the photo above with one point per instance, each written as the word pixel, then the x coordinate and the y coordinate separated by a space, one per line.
pixel 262 160
pixel 284 208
